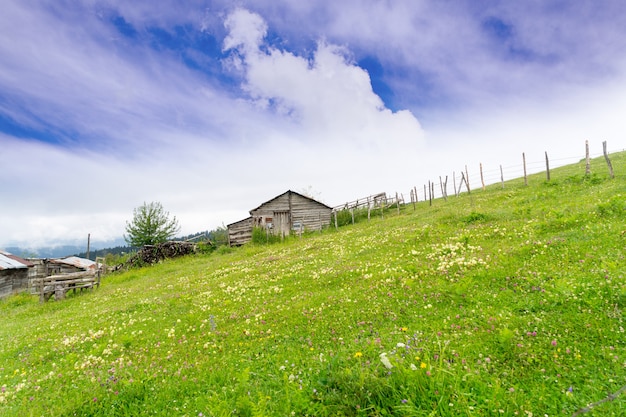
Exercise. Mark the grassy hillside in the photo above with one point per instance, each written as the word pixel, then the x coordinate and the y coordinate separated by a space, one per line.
pixel 504 302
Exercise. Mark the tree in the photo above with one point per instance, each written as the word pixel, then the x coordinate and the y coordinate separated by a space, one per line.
pixel 151 225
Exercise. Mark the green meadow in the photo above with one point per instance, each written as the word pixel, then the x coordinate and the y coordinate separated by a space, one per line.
pixel 503 302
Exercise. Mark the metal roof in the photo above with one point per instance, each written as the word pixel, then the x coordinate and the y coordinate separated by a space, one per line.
pixel 80 263
pixel 9 261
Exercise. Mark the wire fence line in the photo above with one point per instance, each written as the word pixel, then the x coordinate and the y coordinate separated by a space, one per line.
pixel 466 179
pixel 458 181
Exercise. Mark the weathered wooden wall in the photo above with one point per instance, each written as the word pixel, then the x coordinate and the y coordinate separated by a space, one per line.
pixel 240 232
pixel 311 214
pixel 13 281
pixel 303 213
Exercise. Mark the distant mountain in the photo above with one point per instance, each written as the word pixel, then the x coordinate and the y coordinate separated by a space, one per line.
pixel 45 252
pixel 61 251
pixel 102 248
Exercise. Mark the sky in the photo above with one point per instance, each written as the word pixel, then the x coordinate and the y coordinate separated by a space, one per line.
pixel 212 107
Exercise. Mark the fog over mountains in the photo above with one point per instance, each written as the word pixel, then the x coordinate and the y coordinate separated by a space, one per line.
pixel 63 250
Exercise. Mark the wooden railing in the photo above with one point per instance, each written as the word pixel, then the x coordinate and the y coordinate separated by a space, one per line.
pixel 374 200
pixel 59 285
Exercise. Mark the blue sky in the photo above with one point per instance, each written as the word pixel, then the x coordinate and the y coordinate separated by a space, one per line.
pixel 213 107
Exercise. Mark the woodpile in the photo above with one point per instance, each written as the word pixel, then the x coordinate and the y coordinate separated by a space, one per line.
pixel 151 254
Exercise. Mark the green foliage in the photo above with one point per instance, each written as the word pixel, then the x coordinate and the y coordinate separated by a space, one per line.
pixel 224 249
pixel 517 312
pixel 151 225
pixel 219 236
pixel 474 217
pixel 615 206
pixel 262 236
pixel 205 247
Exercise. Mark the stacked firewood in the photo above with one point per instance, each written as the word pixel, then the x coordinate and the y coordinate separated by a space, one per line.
pixel 151 254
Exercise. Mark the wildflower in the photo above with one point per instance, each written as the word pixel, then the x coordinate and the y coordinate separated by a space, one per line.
pixel 404 401
pixel 358 355
pixel 553 342
pixel 413 367
pixel 400 345
pixel 422 365
pixel 385 360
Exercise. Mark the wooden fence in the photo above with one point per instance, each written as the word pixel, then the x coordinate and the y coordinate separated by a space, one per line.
pixel 59 285
pixel 461 179
pixel 373 202
pixel 461 183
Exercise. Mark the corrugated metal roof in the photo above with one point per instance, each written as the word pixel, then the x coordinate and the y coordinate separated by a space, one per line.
pixel 9 261
pixel 80 263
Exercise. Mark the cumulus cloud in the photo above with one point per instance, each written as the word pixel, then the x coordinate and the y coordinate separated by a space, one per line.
pixel 327 95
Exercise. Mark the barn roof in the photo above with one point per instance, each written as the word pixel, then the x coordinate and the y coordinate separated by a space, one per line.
pixel 9 261
pixel 291 192
pixel 247 219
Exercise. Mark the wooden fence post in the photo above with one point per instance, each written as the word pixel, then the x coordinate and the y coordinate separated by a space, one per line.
pixel 444 188
pixel 454 182
pixel 608 161
pixel 467 180
pixel 464 178
pixel 588 162
pixel 336 226
pixel 482 179
pixel 525 176
pixel 501 176
pixel 430 194
pixel 425 195
pixel 547 168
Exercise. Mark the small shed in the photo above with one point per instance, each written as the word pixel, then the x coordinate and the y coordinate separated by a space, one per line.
pixel 13 274
pixel 281 215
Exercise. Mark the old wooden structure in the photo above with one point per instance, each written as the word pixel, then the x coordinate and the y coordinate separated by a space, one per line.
pixel 58 276
pixel 14 273
pixel 240 232
pixel 282 215
pixel 59 285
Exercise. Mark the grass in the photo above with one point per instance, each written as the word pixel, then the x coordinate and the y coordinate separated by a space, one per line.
pixel 504 302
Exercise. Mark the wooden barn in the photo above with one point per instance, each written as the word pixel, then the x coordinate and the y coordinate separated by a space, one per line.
pixel 14 273
pixel 281 215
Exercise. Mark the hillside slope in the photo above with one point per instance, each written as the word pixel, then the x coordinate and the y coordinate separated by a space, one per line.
pixel 506 302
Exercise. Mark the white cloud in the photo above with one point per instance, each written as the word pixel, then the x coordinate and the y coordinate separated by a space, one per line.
pixel 327 96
